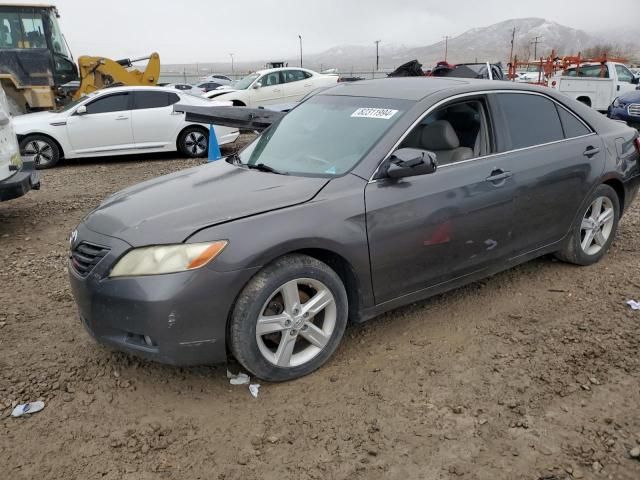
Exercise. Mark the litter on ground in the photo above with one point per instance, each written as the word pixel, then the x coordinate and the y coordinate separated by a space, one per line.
pixel 27 408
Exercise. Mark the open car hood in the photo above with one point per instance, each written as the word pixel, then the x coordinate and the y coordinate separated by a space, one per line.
pixel 171 208
pixel 236 117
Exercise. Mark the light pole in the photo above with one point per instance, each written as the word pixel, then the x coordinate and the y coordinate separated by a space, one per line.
pixel 535 43
pixel 300 39
pixel 377 42
pixel 446 46
pixel 231 55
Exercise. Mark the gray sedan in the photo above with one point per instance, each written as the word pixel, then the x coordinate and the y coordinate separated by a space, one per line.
pixel 365 197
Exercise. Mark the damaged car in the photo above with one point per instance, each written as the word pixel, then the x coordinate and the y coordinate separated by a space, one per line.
pixel 366 197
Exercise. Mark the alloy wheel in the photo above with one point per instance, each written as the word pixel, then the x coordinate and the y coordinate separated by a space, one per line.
pixel 41 151
pixel 597 225
pixel 296 323
pixel 196 143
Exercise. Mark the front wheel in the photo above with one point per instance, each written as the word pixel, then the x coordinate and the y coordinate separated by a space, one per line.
pixel 44 150
pixel 289 319
pixel 594 230
pixel 194 142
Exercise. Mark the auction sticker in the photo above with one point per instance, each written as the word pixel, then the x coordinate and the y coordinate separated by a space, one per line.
pixel 382 113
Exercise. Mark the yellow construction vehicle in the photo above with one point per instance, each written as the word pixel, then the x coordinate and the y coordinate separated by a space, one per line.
pixel 100 72
pixel 37 71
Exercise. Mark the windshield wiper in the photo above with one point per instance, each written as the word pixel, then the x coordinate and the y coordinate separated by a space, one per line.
pixel 263 168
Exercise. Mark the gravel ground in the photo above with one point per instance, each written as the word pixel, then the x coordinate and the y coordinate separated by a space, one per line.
pixel 531 374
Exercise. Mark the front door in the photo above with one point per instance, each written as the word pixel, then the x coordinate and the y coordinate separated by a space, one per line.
pixel 431 229
pixel 106 125
pixel 270 91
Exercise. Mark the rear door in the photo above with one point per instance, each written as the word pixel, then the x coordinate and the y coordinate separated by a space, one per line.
pixel 155 124
pixel 553 158
pixel 297 84
pixel 625 77
pixel 105 127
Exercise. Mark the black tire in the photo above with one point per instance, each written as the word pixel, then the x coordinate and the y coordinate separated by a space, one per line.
pixel 253 299
pixel 193 142
pixel 573 251
pixel 44 149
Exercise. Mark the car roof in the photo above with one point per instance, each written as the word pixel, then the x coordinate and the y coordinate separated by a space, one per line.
pixel 281 69
pixel 131 88
pixel 417 88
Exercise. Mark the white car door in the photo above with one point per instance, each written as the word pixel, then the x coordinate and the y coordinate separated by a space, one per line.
pixel 270 90
pixel 625 77
pixel 154 122
pixel 105 127
pixel 297 84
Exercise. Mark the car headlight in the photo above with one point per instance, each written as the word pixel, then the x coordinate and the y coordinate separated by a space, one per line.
pixel 167 258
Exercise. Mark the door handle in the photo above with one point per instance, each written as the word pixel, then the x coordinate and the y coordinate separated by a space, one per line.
pixel 122 118
pixel 591 151
pixel 498 175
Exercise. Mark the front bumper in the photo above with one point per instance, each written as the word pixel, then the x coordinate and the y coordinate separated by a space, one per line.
pixel 178 319
pixel 18 184
pixel 620 113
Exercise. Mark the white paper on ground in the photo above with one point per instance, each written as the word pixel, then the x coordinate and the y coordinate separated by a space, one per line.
pixel 253 388
pixel 27 408
pixel 634 305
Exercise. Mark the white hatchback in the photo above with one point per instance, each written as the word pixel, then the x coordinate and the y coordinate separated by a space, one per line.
pixel 117 121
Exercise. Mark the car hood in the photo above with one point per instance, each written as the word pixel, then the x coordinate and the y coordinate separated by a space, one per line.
pixel 630 97
pixel 21 122
pixel 171 208
pixel 216 93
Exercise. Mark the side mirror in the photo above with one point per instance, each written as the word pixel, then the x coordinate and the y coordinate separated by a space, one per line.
pixel 81 110
pixel 257 85
pixel 4 118
pixel 410 162
pixel 635 80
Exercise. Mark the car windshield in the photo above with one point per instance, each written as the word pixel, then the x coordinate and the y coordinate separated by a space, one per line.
pixel 325 136
pixel 245 82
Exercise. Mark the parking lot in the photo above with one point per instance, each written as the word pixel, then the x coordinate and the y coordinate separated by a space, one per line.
pixel 533 373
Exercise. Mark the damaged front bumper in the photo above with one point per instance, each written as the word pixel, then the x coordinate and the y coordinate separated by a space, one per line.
pixel 178 319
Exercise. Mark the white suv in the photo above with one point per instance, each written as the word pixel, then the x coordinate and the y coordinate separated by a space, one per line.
pixel 16 177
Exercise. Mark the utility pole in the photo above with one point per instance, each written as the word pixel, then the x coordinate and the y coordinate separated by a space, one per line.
pixel 377 42
pixel 231 55
pixel 513 41
pixel 446 46
pixel 300 38
pixel 535 43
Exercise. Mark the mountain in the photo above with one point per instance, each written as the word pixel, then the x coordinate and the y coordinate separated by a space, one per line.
pixel 492 43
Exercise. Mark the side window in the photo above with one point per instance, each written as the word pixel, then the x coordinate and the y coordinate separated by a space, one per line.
pixel 33 31
pixel 454 132
pixel 294 75
pixel 624 75
pixel 523 111
pixel 271 79
pixel 570 124
pixel 10 34
pixel 111 103
pixel 150 100
pixel 173 98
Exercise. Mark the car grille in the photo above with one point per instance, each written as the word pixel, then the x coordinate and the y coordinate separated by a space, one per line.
pixel 85 256
pixel 634 109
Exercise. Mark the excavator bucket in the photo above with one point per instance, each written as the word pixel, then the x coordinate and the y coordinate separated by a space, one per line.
pixel 101 72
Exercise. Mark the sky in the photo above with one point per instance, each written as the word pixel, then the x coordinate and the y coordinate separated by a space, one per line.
pixel 190 31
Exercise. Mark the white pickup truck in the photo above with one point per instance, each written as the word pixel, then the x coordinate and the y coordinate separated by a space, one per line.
pixel 595 84
pixel 17 177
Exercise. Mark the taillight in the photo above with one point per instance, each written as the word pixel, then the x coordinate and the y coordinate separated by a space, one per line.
pixel 637 142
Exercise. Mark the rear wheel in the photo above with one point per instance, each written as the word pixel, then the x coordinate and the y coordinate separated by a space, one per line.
pixel 594 230
pixel 194 142
pixel 289 319
pixel 43 149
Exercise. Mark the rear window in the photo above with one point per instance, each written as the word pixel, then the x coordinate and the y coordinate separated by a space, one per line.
pixel 532 120
pixel 151 100
pixel 590 71
pixel 571 125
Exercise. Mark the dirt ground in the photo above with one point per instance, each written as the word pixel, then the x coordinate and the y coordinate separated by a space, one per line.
pixel 531 374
